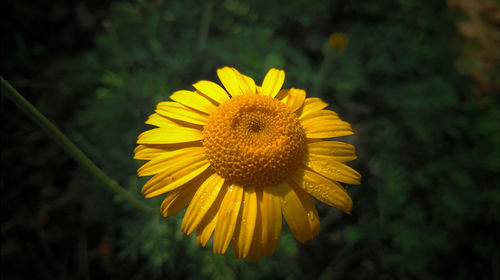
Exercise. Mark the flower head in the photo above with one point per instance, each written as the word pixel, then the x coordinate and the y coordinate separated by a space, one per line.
pixel 338 41
pixel 241 157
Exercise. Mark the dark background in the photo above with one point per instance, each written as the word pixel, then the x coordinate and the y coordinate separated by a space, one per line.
pixel 419 81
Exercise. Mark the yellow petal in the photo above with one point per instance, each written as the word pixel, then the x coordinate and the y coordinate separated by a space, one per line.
pixel 205 230
pixel 146 153
pixel 334 170
pixel 180 112
pixel 299 212
pixel 207 224
pixel 160 121
pixel 310 209
pixel 167 159
pixel 169 135
pixel 318 115
pixel 332 150
pixel 258 89
pixel 193 100
pixel 212 90
pixel 235 82
pixel 295 98
pixel 256 251
pixel 311 105
pixel 202 201
pixel 251 84
pixel 323 189
pixel 327 128
pixel 178 199
pixel 227 218
pixel 273 82
pixel 176 175
pixel 270 207
pixel 243 234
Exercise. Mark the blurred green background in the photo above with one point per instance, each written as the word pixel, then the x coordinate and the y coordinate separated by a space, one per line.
pixel 419 81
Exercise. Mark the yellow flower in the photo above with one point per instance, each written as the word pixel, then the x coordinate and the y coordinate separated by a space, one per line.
pixel 338 41
pixel 241 157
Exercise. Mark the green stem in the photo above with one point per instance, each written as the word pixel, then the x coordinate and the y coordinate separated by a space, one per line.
pixel 205 24
pixel 325 67
pixel 69 147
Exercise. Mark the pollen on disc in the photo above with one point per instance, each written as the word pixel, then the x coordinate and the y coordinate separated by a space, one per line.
pixel 254 140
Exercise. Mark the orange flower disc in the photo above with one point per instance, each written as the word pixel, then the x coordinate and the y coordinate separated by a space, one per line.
pixel 254 140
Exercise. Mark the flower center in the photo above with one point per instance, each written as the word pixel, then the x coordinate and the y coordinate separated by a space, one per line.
pixel 254 140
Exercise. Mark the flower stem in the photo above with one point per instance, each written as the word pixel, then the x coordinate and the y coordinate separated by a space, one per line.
pixel 332 50
pixel 71 148
pixel 327 62
pixel 205 24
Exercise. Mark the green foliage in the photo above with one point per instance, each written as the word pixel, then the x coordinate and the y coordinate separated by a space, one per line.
pixel 429 152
